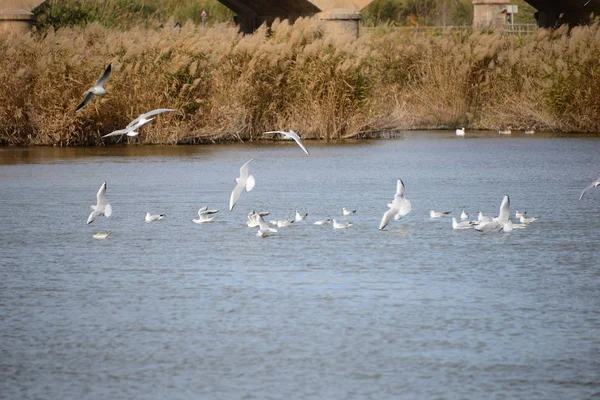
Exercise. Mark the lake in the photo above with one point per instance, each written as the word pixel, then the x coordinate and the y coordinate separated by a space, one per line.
pixel 173 309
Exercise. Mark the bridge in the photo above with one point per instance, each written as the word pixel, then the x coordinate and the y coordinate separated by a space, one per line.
pixel 16 16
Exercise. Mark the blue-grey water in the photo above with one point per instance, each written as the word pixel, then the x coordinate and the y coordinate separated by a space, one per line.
pixel 176 310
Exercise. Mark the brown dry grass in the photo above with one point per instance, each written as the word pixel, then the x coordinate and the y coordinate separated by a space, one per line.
pixel 232 87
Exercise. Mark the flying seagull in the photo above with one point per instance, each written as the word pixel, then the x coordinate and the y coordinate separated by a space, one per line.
pixel 398 208
pixel 143 119
pixel 101 207
pixel 594 184
pixel 130 131
pixel 131 128
pixel 290 135
pixel 244 181
pixel 97 89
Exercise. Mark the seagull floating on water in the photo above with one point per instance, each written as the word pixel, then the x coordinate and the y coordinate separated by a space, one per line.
pixel 529 131
pixel 347 212
pixel 525 220
pixel 101 207
pixel 290 135
pixel 460 225
pixel 506 131
pixel 101 235
pixel 341 225
pixel 97 89
pixel 438 214
pixel 398 208
pixel 519 214
pixel 323 222
pixel 594 184
pixel 151 218
pixel 460 132
pixel 464 215
pixel 244 181
pixel 203 215
pixel 284 223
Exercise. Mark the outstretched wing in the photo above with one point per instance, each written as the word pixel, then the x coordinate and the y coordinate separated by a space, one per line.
pixel 120 132
pixel 88 97
pixel 387 217
pixel 504 210
pixel 101 196
pixel 104 76
pixel 235 195
pixel 244 170
pixel 295 136
pixel 150 114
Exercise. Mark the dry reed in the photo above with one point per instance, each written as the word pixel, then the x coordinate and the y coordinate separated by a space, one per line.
pixel 232 87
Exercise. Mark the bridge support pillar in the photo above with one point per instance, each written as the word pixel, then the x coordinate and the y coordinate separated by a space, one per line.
pixel 15 21
pixel 489 13
pixel 341 20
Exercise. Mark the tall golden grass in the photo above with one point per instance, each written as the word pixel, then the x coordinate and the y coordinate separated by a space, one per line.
pixel 226 86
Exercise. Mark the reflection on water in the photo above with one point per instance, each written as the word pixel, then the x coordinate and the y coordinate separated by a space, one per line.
pixel 174 309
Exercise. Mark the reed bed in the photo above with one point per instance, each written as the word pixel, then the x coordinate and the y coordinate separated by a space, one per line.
pixel 227 86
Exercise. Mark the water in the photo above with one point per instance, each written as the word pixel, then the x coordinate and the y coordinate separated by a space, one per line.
pixel 173 310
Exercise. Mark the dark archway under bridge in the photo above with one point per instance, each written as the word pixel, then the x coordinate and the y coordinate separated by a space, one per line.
pixel 553 13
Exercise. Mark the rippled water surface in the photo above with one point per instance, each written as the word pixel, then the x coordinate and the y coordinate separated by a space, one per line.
pixel 173 310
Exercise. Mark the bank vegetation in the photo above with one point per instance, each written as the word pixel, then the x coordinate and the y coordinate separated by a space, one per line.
pixel 227 86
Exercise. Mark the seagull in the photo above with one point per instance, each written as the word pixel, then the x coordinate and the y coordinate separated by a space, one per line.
pixel 438 214
pixel 519 214
pixel 101 207
pixel 464 215
pixel 130 131
pixel 284 223
pixel 496 224
pixel 347 212
pixel 97 89
pixel 508 226
pixel 203 215
pixel 143 119
pixel 398 208
pixel 525 220
pixel 263 228
pixel 460 225
pixel 482 218
pixel 341 225
pixel 529 131
pixel 460 132
pixel 101 235
pixel 506 131
pixel 244 180
pixel 594 184
pixel 290 135
pixel 300 217
pixel 151 218
pixel 323 222
pixel 252 220
pixel 131 128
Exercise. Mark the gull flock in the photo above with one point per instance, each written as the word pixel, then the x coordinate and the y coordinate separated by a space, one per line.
pixel 397 209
